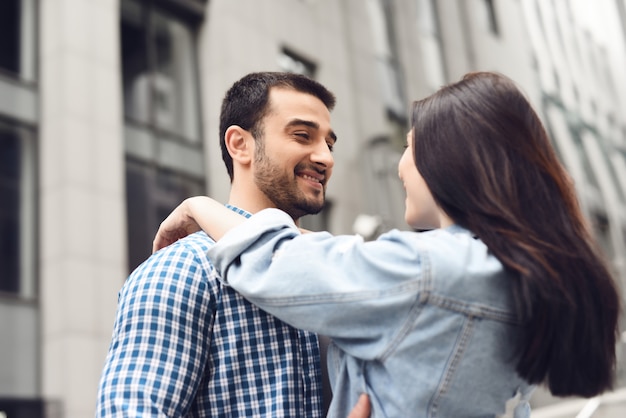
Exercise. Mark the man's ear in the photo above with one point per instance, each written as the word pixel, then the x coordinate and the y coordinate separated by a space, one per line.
pixel 240 144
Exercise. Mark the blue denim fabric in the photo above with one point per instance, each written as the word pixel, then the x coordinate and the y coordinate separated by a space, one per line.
pixel 422 322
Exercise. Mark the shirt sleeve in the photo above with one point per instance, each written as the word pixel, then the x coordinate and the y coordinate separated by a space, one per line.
pixel 361 294
pixel 160 339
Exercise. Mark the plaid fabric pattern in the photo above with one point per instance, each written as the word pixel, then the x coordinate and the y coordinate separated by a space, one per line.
pixel 183 345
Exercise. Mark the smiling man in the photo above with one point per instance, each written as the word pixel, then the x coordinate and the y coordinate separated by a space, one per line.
pixel 291 158
pixel 185 345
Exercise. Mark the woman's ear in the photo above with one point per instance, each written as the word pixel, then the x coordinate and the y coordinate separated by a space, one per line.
pixel 240 144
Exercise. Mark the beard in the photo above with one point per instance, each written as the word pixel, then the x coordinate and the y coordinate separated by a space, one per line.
pixel 282 189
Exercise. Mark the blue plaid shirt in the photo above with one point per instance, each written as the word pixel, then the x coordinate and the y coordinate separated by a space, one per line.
pixel 184 345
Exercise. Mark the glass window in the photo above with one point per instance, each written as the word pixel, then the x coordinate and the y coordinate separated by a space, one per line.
pixel 385 47
pixel 16 210
pixel 158 64
pixel 154 193
pixel 618 163
pixel 9 211
pixel 491 17
pixel 174 86
pixel 21 408
pixel 291 62
pixel 602 233
pixel 17 38
pixel 431 46
pixel 135 71
pixel 162 132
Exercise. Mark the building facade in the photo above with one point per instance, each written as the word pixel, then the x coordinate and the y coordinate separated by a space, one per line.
pixel 109 117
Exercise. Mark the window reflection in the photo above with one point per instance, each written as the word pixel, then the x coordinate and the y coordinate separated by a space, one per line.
pixel 492 19
pixel 174 98
pixel 135 74
pixel 152 194
pixel 385 47
pixel 158 71
pixel 16 191
pixel 17 38
pixel 164 161
pixel 294 63
pixel 431 46
pixel 9 210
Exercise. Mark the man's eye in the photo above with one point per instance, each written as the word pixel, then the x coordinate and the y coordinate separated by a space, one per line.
pixel 331 146
pixel 303 135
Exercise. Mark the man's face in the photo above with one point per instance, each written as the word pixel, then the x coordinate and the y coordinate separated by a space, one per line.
pixel 293 160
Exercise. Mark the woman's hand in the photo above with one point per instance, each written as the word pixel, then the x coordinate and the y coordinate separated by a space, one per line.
pixel 362 407
pixel 177 225
pixel 194 214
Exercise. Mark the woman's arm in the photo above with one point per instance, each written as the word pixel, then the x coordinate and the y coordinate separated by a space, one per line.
pixel 192 215
pixel 355 292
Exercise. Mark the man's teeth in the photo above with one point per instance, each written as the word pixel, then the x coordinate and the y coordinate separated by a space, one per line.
pixel 310 178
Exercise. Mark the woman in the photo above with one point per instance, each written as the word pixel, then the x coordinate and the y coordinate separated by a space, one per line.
pixel 507 290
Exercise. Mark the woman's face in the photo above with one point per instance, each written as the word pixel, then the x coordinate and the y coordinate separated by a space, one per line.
pixel 421 211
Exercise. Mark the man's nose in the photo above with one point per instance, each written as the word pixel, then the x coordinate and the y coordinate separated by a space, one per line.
pixel 322 155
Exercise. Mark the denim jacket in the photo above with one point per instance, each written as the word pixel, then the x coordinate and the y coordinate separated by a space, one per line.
pixel 422 322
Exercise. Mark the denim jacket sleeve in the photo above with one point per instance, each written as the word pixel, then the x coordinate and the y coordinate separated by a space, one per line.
pixel 359 293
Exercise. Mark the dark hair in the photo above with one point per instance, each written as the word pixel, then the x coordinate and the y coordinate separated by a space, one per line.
pixel 247 102
pixel 489 164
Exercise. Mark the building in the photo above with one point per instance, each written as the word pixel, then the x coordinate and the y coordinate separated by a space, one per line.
pixel 109 114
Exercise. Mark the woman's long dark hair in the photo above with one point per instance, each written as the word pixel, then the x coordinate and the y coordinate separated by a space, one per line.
pixel 488 162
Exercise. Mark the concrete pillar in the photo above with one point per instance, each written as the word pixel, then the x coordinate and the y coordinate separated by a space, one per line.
pixel 82 200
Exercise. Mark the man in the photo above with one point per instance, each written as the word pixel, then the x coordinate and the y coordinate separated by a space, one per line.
pixel 184 345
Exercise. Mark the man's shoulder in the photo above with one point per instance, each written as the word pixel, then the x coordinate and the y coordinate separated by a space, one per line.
pixel 184 260
pixel 194 246
pixel 196 242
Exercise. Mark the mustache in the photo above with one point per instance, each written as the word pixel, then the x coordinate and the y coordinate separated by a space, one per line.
pixel 311 167
pixel 304 166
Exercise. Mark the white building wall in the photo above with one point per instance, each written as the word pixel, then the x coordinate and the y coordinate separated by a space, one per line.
pixel 82 203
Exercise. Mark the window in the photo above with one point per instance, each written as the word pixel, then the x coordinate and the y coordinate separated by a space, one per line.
pixel 385 48
pixel 601 229
pixel 291 62
pixel 28 408
pixel 17 148
pixel 432 60
pixel 492 19
pixel 9 209
pixel 17 38
pixel 159 76
pixel 161 107
pixel 151 194
pixel 17 188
